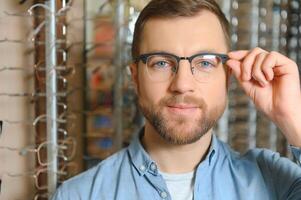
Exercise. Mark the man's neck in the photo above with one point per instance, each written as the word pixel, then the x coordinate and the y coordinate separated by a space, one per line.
pixel 175 158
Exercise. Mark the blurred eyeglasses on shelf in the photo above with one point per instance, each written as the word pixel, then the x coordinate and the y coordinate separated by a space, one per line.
pixel 66 122
pixel 64 172
pixel 65 149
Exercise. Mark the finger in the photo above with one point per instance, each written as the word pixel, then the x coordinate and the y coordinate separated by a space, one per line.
pixel 280 59
pixel 257 72
pixel 236 69
pixel 267 66
pixel 288 65
pixel 278 71
pixel 248 62
pixel 238 55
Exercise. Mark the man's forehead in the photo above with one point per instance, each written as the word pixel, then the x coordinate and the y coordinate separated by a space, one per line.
pixel 202 31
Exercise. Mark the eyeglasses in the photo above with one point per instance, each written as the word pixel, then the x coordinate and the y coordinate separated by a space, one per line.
pixel 64 172
pixel 163 66
pixel 65 119
pixel 66 150
pixel 36 175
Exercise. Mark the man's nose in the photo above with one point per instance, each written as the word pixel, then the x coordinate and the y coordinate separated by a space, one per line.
pixel 183 80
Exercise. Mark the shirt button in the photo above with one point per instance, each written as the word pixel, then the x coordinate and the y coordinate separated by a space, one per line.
pixel 142 168
pixel 163 195
pixel 153 167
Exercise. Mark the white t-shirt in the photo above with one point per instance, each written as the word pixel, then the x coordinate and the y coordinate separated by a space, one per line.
pixel 180 186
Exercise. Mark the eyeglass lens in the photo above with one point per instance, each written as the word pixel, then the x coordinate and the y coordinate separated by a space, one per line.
pixel 164 67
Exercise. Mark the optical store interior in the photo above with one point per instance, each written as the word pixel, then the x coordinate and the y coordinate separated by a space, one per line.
pixel 67 99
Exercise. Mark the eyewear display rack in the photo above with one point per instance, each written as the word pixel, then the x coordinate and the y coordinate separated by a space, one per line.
pixel 112 117
pixel 271 25
pixel 294 31
pixel 54 147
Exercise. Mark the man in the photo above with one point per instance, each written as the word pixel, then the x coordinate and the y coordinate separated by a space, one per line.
pixel 181 70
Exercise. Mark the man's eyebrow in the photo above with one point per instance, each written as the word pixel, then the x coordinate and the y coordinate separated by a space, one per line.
pixel 207 51
pixel 197 52
pixel 160 51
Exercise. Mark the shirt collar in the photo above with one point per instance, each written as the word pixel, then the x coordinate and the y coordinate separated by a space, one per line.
pixel 143 162
pixel 140 158
pixel 213 149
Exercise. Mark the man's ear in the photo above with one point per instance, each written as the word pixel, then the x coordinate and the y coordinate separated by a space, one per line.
pixel 134 74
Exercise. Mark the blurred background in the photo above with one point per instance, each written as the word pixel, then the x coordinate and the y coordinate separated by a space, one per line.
pixel 66 97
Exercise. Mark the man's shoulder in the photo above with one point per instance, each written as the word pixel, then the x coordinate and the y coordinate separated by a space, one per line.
pixel 111 164
pixel 261 159
pixel 98 177
pixel 253 157
pixel 255 154
pixel 262 164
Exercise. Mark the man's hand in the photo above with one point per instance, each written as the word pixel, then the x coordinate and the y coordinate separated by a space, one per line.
pixel 271 80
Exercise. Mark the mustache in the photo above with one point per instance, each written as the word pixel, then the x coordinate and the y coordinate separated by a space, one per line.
pixel 183 99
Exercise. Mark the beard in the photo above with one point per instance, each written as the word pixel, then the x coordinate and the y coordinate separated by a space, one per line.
pixel 177 129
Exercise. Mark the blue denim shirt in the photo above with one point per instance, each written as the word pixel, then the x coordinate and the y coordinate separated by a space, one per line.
pixel 131 174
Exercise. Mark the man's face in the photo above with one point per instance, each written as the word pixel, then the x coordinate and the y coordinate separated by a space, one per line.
pixel 182 109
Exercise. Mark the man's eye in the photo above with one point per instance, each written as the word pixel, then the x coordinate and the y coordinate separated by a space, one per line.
pixel 161 64
pixel 205 64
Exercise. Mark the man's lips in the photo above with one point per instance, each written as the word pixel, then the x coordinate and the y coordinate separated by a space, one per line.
pixel 183 106
pixel 182 109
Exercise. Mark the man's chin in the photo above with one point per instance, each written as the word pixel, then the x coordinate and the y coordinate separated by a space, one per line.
pixel 177 127
pixel 182 121
pixel 179 136
pixel 182 124
pixel 181 131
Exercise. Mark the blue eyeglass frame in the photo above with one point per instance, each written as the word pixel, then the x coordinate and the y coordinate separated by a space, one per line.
pixel 144 57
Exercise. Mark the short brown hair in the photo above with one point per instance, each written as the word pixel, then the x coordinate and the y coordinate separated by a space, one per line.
pixel 173 9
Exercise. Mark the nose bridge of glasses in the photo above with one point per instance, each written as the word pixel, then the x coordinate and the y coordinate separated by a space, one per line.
pixel 189 59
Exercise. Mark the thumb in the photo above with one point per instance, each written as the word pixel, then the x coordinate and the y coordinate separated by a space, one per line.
pixel 234 65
